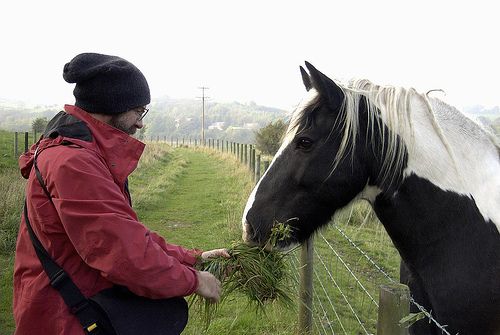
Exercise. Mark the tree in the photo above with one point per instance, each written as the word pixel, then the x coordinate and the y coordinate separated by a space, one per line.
pixel 39 124
pixel 268 139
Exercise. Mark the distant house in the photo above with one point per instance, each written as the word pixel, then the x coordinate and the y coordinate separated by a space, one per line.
pixel 235 128
pixel 217 125
pixel 253 125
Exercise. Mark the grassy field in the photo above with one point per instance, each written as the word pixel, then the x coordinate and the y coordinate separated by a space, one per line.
pixel 12 190
pixel 194 198
pixel 202 209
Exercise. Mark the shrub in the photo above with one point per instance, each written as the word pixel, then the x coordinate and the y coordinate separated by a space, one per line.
pixel 268 139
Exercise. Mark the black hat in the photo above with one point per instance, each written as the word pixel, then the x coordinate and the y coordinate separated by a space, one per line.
pixel 106 84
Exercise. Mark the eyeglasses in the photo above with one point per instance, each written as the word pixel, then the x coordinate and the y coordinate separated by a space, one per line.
pixel 141 112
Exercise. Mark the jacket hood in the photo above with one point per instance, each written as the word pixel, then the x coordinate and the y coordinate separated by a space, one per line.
pixel 119 150
pixel 61 126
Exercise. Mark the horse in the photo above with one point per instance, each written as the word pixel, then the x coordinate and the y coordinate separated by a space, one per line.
pixel 430 173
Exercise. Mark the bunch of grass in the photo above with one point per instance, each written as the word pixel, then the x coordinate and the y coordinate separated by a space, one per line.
pixel 261 274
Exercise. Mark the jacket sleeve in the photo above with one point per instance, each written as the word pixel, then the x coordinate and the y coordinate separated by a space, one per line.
pixel 105 232
pixel 185 256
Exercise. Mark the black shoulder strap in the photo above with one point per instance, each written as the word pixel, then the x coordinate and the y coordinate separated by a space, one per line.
pixel 59 279
pixel 39 175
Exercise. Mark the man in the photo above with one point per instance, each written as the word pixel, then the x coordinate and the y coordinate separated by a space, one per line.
pixel 83 217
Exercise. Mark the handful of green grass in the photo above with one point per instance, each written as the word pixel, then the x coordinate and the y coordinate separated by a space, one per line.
pixel 260 274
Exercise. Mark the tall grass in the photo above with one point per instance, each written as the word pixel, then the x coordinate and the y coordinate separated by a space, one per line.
pixel 12 190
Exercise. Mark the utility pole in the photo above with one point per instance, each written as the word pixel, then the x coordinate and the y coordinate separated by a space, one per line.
pixel 203 97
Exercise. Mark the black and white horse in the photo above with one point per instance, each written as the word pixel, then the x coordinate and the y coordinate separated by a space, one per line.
pixel 431 174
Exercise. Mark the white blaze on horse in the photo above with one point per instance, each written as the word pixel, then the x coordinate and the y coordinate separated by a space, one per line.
pixel 431 174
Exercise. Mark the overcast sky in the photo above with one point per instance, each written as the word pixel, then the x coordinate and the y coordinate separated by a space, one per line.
pixel 251 50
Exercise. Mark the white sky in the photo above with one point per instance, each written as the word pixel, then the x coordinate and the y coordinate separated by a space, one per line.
pixel 251 50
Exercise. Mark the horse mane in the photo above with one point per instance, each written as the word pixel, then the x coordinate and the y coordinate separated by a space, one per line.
pixel 389 108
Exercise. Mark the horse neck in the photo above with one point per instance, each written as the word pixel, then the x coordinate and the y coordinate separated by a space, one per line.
pixel 453 153
pixel 420 212
pixel 450 177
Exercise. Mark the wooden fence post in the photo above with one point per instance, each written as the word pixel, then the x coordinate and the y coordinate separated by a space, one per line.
pixel 246 154
pixel 26 141
pixel 394 304
pixel 306 288
pixel 266 166
pixel 250 148
pixel 252 162
pixel 16 140
pixel 257 169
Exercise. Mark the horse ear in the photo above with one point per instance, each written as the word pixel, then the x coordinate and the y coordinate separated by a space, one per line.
pixel 325 86
pixel 305 79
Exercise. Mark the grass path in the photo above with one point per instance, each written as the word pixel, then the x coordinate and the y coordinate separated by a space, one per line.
pixel 202 207
pixel 197 202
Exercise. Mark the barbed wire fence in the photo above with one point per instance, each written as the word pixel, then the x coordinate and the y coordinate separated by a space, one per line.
pixel 345 293
pixel 345 296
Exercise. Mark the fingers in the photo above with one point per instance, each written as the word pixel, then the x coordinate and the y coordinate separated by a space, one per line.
pixel 208 286
pixel 215 253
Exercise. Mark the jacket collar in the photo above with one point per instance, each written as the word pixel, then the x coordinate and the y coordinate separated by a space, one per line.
pixel 120 151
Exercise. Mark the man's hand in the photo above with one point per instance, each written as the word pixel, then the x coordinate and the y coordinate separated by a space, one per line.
pixel 208 286
pixel 214 253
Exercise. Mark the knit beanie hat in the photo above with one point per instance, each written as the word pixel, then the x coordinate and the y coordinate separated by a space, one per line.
pixel 106 84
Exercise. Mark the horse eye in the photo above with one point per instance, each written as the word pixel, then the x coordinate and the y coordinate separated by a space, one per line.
pixel 304 143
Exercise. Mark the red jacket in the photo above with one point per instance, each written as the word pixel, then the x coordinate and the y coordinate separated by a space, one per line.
pixel 90 229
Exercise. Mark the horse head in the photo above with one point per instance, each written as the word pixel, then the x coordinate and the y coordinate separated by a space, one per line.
pixel 318 168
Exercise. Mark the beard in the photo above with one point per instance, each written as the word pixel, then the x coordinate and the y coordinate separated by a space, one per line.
pixel 120 123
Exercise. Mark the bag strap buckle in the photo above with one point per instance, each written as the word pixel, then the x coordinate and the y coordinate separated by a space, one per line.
pixel 82 307
pixel 58 279
pixel 92 327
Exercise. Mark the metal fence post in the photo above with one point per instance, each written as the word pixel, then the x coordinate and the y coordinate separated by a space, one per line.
pixel 394 304
pixel 306 288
